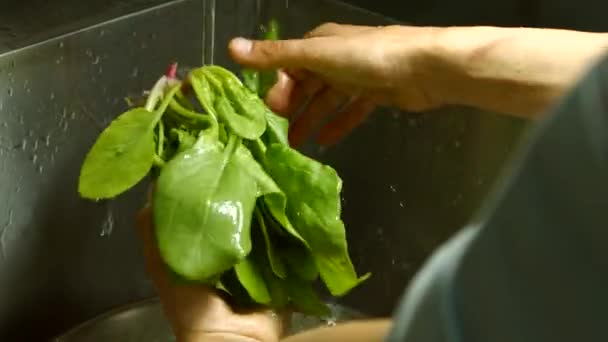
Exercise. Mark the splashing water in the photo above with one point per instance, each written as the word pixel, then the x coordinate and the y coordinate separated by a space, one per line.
pixel 108 224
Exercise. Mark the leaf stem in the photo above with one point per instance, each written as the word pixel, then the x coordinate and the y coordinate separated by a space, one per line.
pixel 156 93
pixel 158 161
pixel 187 113
pixel 161 138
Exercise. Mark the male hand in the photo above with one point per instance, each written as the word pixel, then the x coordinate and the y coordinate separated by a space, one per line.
pixel 197 313
pixel 336 66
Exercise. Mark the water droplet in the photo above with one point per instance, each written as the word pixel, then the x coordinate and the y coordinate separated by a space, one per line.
pixel 25 84
pixel 89 52
pixel 1 104
pixel 100 70
pixel 30 133
pixel 35 146
pixel 457 143
pixel 47 140
pixel 134 34
pixel 34 158
pixel 65 126
pixel 330 322
pixel 393 188
pixel 59 60
pixel 52 157
pixel 21 120
pixel 18 189
pixel 135 72
pixel 96 60
pixel 10 91
pixel 64 113
pixel 23 144
pixel 52 96
pixel 108 225
pixel 60 45
pixel 393 262
pixel 56 149
pixel 402 205
pixel 40 168
pixel 102 33
pixel 73 116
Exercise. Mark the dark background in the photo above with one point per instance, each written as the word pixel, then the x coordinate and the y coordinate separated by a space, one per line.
pixel 22 21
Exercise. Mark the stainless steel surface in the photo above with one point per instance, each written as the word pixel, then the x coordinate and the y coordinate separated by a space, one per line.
pixel 410 181
pixel 144 322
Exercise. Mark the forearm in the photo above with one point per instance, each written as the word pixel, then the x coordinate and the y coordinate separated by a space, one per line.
pixel 363 331
pixel 517 71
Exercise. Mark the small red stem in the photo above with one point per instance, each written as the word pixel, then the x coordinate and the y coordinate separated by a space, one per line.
pixel 172 71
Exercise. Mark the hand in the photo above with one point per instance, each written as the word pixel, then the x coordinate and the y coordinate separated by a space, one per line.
pixel 197 313
pixel 336 66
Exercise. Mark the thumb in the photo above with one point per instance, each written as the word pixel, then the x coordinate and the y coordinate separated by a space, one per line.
pixel 269 54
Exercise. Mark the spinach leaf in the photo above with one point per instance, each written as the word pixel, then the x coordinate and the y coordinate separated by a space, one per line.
pixel 276 264
pixel 248 123
pixel 304 297
pixel 277 130
pixel 202 90
pixel 123 154
pixel 202 210
pixel 313 206
pixel 300 261
pixel 250 276
pixel 274 198
pixel 251 80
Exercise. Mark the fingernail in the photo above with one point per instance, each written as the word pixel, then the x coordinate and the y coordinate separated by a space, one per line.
pixel 241 45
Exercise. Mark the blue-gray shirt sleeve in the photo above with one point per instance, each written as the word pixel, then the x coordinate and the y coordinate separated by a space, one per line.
pixel 533 266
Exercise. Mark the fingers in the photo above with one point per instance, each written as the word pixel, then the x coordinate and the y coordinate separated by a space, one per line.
pixel 333 29
pixel 291 93
pixel 278 97
pixel 153 263
pixel 352 116
pixel 269 54
pixel 325 103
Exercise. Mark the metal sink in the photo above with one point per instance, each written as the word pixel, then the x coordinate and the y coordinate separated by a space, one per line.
pixel 410 180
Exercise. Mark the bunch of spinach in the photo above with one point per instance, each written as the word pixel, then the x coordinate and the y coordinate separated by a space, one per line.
pixel 235 206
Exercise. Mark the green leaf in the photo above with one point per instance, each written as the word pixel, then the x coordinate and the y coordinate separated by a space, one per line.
pixel 123 154
pixel 202 90
pixel 313 207
pixel 240 110
pixel 300 261
pixel 125 148
pixel 185 140
pixel 276 264
pixel 304 297
pixel 250 276
pixel 277 129
pixel 251 80
pixel 202 210
pixel 274 198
